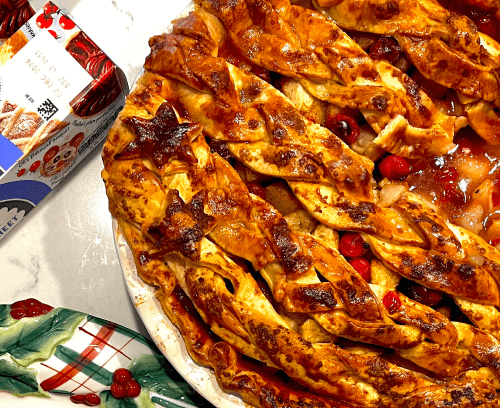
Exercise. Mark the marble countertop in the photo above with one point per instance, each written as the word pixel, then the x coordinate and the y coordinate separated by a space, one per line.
pixel 63 253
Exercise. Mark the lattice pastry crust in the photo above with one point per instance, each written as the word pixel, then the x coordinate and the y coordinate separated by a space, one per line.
pixel 263 298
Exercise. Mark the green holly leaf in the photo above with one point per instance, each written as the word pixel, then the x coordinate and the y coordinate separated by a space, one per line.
pixel 35 339
pixel 108 401
pixel 129 333
pixel 18 380
pixel 146 402
pixel 154 373
pixel 5 317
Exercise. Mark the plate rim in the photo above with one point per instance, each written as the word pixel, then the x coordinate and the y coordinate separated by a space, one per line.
pixel 164 333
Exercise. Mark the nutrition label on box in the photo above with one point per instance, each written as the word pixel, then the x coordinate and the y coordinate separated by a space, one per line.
pixel 43 77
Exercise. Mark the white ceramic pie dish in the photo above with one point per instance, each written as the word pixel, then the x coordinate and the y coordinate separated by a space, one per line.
pixel 165 334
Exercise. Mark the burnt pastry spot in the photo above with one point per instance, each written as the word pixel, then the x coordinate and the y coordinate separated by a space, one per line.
pixel 289 252
pixel 358 213
pixel 160 138
pixel 183 227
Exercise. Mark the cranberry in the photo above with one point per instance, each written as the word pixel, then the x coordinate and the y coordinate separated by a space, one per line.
pixel 495 197
pixel 262 73
pixel 33 311
pixel 470 143
pixel 448 175
pixel 493 242
pixel 220 147
pixel 453 195
pixel 487 26
pixel 352 245
pixel 394 167
pixel 122 376
pixel 392 302
pixel 21 172
pixel 257 189
pixel 92 400
pixel 363 267
pixel 17 313
pixel 385 48
pixel 424 295
pixel 344 127
pixel 118 391
pixel 133 389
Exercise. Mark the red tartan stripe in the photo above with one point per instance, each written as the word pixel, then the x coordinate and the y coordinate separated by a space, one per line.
pixel 68 372
pixel 109 345
pixel 79 385
pixel 109 359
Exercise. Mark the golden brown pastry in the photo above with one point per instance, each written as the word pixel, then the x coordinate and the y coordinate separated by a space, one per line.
pixel 244 209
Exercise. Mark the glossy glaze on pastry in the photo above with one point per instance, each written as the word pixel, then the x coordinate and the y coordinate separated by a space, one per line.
pixel 233 192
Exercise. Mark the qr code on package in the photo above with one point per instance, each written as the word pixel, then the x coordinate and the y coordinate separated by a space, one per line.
pixel 47 109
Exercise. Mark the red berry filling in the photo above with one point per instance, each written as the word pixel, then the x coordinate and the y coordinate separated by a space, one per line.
pixel 385 48
pixel 352 245
pixel 28 308
pixel 392 302
pixel 394 167
pixel 425 295
pixel 495 197
pixel 453 195
pixel 362 266
pixel 257 189
pixel 448 175
pixel 344 127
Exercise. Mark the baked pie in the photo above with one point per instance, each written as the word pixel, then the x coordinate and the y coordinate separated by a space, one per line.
pixel 313 190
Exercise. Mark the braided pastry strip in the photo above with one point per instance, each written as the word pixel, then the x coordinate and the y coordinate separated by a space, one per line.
pixel 306 183
pixel 290 147
pixel 212 265
pixel 420 128
pixel 316 200
pixel 444 47
pixel 320 206
pixel 176 177
pixel 155 272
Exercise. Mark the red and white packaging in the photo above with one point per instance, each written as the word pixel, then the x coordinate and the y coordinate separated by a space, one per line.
pixel 59 95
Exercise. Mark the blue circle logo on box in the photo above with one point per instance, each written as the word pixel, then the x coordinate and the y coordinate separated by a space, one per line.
pixel 17 199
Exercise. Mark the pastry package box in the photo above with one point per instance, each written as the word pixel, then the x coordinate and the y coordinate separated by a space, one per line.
pixel 59 95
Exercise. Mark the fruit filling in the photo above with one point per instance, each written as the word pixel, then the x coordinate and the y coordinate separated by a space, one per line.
pixel 464 185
